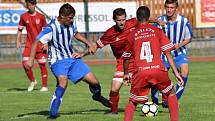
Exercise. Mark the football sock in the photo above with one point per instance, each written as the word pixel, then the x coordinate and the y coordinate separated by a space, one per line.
pixel 96 90
pixel 129 111
pixel 56 101
pixel 44 74
pixel 114 99
pixel 173 107
pixel 180 90
pixel 154 96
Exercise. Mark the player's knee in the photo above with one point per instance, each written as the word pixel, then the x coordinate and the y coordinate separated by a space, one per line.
pixel 63 81
pixel 172 92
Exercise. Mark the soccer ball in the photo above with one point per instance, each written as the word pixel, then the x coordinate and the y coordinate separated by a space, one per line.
pixel 149 109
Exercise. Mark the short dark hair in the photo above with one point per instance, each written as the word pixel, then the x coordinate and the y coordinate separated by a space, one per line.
pixel 66 9
pixel 143 13
pixel 118 12
pixel 171 2
pixel 31 1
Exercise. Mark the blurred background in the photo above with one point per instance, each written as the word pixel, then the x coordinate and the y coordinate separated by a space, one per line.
pixel 93 17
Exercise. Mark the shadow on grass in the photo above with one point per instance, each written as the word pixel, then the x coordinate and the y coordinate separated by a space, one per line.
pixel 83 112
pixel 19 89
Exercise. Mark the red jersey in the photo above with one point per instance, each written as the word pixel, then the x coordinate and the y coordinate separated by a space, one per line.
pixel 34 25
pixel 116 39
pixel 146 43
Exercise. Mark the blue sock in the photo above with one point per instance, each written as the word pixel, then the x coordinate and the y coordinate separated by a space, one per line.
pixel 154 96
pixel 96 91
pixel 180 90
pixel 56 101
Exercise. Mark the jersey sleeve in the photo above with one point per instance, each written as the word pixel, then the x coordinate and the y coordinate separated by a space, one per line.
pixel 46 35
pixel 188 31
pixel 21 23
pixel 166 44
pixel 104 40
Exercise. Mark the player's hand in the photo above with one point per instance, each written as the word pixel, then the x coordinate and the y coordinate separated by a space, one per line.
pixel 160 22
pixel 77 55
pixel 45 47
pixel 92 49
pixel 126 79
pixel 176 46
pixel 179 80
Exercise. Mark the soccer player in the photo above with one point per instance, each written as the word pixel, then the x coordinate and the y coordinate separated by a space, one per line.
pixel 34 22
pixel 115 37
pixel 179 31
pixel 64 63
pixel 146 43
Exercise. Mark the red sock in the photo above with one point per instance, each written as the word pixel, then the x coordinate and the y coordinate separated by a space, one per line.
pixel 44 74
pixel 114 98
pixel 173 107
pixel 129 111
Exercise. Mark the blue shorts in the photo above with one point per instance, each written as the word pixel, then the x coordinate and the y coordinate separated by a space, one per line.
pixel 74 69
pixel 180 59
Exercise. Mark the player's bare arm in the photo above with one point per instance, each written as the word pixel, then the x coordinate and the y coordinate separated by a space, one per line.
pixel 182 43
pixel 19 33
pixel 126 79
pixel 176 73
pixel 79 37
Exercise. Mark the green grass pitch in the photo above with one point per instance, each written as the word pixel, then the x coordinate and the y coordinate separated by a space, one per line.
pixel 16 104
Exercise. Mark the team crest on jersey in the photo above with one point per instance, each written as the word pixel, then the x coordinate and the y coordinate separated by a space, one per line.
pixel 37 21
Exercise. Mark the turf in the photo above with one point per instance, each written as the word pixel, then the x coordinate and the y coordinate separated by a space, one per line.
pixel 16 104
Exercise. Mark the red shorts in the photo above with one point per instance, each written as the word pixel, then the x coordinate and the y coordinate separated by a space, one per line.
pixel 119 71
pixel 140 95
pixel 143 81
pixel 41 56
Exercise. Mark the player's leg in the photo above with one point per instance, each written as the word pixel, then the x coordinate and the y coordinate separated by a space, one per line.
pixel 166 88
pixel 116 84
pixel 129 111
pixel 184 70
pixel 114 94
pixel 95 89
pixel 155 92
pixel 60 70
pixel 86 75
pixel 58 96
pixel 41 60
pixel 137 95
pixel 29 72
pixel 173 106
pixel 154 95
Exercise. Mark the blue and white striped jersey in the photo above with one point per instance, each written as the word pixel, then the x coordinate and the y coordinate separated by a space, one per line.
pixel 177 32
pixel 59 39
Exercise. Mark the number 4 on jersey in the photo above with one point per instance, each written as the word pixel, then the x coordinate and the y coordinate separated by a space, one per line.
pixel 146 53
